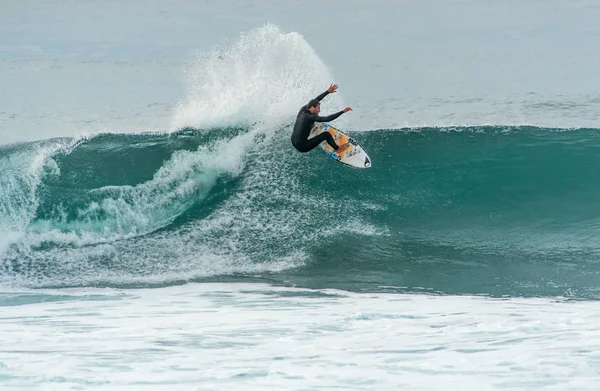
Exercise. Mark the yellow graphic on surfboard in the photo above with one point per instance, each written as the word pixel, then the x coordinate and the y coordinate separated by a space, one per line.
pixel 353 156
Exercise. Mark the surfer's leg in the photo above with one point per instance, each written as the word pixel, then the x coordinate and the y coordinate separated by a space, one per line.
pixel 312 143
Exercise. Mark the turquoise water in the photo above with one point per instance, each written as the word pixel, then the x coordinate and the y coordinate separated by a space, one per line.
pixel 150 197
pixel 480 210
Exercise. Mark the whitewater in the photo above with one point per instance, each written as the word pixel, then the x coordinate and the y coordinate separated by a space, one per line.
pixel 158 230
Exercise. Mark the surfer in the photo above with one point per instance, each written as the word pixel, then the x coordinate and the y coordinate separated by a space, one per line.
pixel 307 116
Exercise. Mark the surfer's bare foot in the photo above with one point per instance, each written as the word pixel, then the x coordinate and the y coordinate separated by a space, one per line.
pixel 342 148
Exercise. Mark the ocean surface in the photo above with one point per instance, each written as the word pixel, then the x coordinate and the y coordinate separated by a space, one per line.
pixel 158 230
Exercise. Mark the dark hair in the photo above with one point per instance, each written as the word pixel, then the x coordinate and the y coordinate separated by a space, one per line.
pixel 313 103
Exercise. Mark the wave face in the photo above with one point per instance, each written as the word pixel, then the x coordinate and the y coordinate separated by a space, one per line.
pixel 493 210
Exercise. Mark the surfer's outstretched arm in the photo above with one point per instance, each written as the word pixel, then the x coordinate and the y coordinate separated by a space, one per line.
pixel 323 95
pixel 330 90
pixel 331 117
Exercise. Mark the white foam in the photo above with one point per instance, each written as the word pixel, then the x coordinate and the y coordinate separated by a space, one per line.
pixel 6 239
pixel 127 211
pixel 257 337
pixel 20 175
pixel 265 75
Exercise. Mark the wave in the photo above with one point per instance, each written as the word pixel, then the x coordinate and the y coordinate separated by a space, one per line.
pixel 223 195
pixel 164 208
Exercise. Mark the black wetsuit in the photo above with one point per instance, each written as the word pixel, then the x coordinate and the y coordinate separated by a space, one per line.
pixel 305 122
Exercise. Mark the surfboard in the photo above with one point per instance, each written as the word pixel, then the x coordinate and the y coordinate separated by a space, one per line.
pixel 354 155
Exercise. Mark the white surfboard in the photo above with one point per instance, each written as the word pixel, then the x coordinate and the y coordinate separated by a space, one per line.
pixel 353 156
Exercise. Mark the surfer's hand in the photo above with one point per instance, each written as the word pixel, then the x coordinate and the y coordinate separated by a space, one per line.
pixel 332 88
pixel 347 109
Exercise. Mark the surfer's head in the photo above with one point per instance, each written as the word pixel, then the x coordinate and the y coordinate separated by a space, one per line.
pixel 314 106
